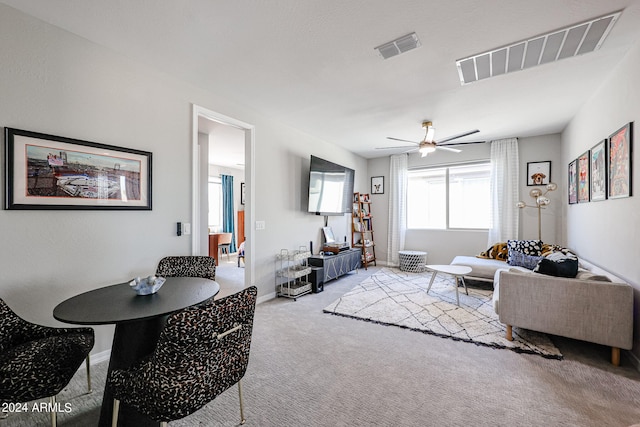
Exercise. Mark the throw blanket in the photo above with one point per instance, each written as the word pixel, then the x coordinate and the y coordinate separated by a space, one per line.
pixel 500 251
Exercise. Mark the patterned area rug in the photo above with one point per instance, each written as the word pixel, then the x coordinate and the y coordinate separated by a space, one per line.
pixel 398 298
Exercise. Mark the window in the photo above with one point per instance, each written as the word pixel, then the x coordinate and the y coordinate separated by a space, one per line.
pixel 449 197
pixel 215 204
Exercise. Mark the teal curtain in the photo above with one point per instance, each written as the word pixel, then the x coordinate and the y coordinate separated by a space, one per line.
pixel 228 213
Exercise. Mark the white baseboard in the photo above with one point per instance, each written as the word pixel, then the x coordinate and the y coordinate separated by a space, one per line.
pixel 264 298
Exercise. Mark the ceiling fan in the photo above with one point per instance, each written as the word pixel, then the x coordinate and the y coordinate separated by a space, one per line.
pixel 429 144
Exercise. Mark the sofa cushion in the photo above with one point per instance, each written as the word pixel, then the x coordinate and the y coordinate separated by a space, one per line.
pixel 527 247
pixel 519 259
pixel 558 264
pixel 588 275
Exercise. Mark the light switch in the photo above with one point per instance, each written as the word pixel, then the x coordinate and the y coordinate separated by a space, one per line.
pixel 260 225
pixel 187 228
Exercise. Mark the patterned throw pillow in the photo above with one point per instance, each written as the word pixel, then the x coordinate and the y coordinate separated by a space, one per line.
pixel 559 265
pixel 518 259
pixel 527 247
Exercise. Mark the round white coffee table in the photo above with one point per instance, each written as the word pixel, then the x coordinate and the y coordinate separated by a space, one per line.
pixel 457 271
pixel 413 261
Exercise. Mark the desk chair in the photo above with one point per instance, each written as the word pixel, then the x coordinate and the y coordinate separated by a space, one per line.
pixel 202 351
pixel 187 266
pixel 38 361
pixel 224 244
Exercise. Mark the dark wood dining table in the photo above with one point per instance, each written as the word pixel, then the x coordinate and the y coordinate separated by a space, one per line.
pixel 139 319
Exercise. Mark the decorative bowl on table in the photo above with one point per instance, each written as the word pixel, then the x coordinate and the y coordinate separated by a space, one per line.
pixel 148 285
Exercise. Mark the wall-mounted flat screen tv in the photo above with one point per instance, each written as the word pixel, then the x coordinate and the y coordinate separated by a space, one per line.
pixel 330 187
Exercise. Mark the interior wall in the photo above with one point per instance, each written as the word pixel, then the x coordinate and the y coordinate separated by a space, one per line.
pixel 607 232
pixel 541 149
pixel 57 83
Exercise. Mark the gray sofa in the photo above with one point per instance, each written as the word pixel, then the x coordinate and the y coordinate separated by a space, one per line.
pixel 596 306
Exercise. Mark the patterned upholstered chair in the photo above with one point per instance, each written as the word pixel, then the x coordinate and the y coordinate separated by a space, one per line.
pixel 187 266
pixel 202 351
pixel 38 361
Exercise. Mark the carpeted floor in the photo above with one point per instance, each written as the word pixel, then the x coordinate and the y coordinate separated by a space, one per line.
pixel 311 369
pixel 398 298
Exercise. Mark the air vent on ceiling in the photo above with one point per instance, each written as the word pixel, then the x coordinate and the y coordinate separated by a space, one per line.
pixel 398 46
pixel 564 43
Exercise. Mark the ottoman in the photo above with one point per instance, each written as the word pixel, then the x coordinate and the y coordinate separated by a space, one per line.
pixel 413 261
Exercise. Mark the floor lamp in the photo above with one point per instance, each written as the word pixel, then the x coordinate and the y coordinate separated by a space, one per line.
pixel 541 202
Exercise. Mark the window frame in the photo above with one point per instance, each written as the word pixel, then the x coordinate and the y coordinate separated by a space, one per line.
pixel 447 167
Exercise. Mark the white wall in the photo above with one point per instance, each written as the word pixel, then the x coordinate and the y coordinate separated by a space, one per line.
pixel 540 149
pixel 57 83
pixel 607 232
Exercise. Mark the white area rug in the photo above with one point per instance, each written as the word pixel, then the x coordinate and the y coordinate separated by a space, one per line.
pixel 398 298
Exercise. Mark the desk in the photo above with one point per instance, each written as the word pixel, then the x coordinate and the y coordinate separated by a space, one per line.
pixel 215 240
pixel 139 321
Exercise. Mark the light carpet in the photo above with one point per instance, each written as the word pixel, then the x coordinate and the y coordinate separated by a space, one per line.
pixel 394 297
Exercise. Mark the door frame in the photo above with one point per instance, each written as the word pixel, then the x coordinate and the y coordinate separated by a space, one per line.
pixel 199 229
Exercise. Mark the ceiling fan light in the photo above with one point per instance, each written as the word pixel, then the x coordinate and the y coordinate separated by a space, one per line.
pixel 427 148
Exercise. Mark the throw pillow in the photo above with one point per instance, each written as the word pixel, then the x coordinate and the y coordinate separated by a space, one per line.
pixel 527 247
pixel 559 265
pixel 498 251
pixel 518 259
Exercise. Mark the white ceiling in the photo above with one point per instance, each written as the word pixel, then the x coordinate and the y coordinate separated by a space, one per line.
pixel 311 64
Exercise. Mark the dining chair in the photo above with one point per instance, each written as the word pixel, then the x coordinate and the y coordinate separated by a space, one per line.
pixel 38 361
pixel 224 244
pixel 202 351
pixel 187 266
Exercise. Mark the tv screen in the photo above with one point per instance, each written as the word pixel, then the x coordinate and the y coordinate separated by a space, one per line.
pixel 330 187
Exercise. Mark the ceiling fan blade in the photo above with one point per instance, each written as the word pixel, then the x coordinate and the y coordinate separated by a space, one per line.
pixel 454 150
pixel 402 140
pixel 463 143
pixel 451 138
pixel 396 147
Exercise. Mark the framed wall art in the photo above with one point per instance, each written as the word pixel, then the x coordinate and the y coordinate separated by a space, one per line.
pixel 598 170
pixel 584 194
pixel 572 183
pixel 538 173
pixel 377 185
pixel 54 172
pixel 620 150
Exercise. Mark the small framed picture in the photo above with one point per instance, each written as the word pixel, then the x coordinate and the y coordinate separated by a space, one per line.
pixel 620 155
pixel 377 185
pixel 584 195
pixel 599 171
pixel 573 182
pixel 538 173
pixel 242 193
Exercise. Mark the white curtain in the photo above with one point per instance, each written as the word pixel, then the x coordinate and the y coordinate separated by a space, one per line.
pixel 397 207
pixel 504 191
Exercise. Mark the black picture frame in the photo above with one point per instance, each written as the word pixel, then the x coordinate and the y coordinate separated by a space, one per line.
pixel 377 185
pixel 572 183
pixel 583 178
pixel 598 169
pixel 538 173
pixel 242 193
pixel 620 163
pixel 49 172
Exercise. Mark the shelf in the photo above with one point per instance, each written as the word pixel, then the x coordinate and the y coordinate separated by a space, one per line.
pixel 362 227
pixel 294 272
pixel 295 289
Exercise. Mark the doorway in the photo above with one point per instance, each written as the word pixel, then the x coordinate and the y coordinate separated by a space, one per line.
pixel 219 139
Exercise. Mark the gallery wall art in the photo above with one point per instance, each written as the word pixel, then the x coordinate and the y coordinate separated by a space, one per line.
pixel 54 172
